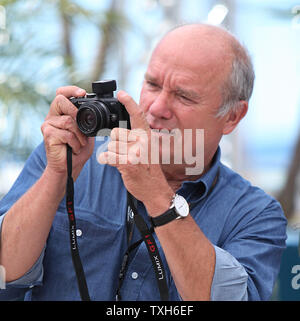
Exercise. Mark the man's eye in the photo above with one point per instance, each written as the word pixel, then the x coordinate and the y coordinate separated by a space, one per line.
pixel 186 99
pixel 152 84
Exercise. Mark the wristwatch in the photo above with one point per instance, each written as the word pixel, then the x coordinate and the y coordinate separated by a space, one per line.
pixel 179 209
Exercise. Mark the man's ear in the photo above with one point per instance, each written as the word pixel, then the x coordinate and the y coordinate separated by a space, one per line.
pixel 234 117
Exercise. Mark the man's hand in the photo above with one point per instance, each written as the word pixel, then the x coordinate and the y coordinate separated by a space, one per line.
pixel 129 151
pixel 60 128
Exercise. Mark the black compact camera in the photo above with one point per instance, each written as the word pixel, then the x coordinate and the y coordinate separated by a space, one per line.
pixel 100 110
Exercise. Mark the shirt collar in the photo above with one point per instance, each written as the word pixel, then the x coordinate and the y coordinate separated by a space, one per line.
pixel 194 191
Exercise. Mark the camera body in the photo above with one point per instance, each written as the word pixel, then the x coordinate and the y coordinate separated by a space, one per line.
pixel 100 110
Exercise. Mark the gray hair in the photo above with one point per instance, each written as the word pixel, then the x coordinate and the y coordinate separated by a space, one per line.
pixel 239 84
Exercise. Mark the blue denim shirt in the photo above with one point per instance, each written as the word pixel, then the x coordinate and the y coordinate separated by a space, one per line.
pixel 246 226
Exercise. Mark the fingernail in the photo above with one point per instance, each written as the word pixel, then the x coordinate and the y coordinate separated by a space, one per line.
pixel 80 92
pixel 122 93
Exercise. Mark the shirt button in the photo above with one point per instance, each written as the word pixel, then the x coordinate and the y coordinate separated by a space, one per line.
pixel 78 232
pixel 134 275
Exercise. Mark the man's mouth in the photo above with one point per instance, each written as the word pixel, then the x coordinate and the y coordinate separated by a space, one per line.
pixel 161 131
pixel 159 128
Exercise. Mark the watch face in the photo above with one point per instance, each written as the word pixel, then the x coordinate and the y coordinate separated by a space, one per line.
pixel 181 206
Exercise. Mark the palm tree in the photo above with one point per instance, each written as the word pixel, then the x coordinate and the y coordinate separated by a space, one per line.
pixel 31 68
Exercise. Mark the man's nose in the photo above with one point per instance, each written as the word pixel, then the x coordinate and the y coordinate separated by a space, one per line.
pixel 161 108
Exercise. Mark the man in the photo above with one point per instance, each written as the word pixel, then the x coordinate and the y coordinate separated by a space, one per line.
pixel 229 245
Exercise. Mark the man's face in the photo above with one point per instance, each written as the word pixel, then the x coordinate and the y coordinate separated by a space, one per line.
pixel 182 90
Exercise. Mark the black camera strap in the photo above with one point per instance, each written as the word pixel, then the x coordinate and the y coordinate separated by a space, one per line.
pixel 152 248
pixel 134 217
pixel 82 285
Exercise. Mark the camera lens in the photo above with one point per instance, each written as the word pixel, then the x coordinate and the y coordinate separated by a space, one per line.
pixel 88 118
pixel 91 117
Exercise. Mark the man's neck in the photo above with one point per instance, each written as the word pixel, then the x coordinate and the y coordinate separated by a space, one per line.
pixel 176 175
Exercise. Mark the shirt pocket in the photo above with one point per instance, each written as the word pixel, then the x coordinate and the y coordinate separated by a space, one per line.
pixel 101 246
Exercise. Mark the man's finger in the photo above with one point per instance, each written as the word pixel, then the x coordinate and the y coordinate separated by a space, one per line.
pixel 70 91
pixel 137 117
pixel 120 134
pixel 55 136
pixel 62 106
pixel 67 122
pixel 118 147
pixel 112 159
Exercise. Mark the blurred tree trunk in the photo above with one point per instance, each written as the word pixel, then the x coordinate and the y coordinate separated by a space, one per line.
pixel 66 38
pixel 66 41
pixel 107 34
pixel 27 79
pixel 288 192
pixel 108 29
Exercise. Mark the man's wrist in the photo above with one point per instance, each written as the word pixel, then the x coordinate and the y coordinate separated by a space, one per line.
pixel 159 204
pixel 53 175
pixel 55 180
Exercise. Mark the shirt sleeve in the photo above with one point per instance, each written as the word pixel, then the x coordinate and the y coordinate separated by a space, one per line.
pixel 31 172
pixel 16 289
pixel 257 243
pixel 230 278
pixel 31 278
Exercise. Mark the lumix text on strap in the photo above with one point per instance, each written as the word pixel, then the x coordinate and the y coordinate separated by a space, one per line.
pixel 152 248
pixel 82 285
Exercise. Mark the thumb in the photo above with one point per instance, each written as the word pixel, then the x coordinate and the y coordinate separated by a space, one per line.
pixel 137 117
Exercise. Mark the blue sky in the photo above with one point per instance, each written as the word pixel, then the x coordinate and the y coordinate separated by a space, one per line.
pixel 267 135
pixel 273 119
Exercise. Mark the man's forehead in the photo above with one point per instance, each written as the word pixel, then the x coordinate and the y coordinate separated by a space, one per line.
pixel 200 49
pixel 197 40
